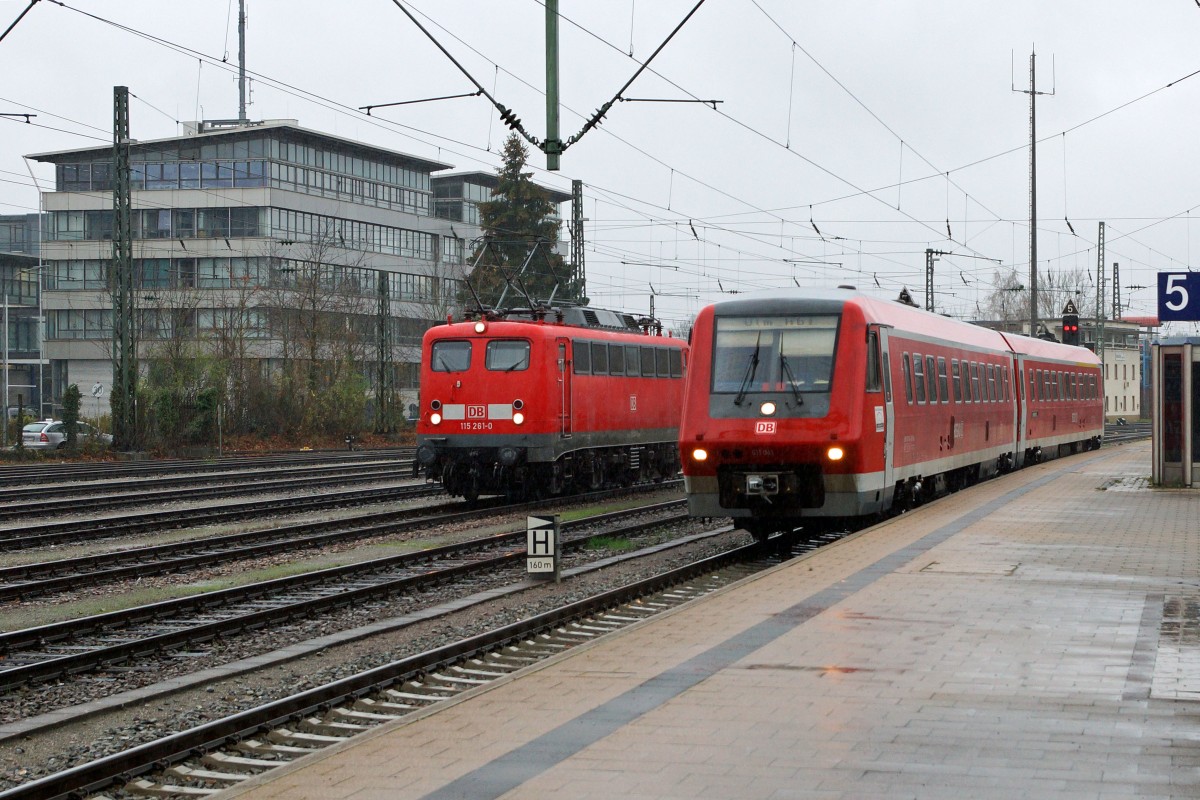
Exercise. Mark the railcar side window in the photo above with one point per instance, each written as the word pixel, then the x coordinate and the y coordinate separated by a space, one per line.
pixel 1004 386
pixel 599 358
pixel 931 371
pixel 676 357
pixel 873 384
pixel 633 360
pixel 908 392
pixel 919 376
pixel 581 354
pixel 943 387
pixel 507 356
pixel 991 383
pixel 975 394
pixel 956 379
pixel 450 356
pixel 616 359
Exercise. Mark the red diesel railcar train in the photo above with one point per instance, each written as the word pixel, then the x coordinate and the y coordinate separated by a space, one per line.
pixel 806 406
pixel 542 402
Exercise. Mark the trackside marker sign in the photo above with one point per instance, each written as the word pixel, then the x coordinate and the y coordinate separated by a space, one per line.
pixel 543 549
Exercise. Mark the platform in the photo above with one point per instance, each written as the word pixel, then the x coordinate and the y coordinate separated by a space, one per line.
pixel 1036 636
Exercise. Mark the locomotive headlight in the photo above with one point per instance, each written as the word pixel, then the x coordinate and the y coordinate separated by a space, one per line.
pixel 767 408
pixel 480 326
pixel 699 454
pixel 835 453
pixel 435 418
pixel 518 418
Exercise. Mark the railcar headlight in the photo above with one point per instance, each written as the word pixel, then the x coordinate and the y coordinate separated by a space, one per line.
pixel 835 453
pixel 435 418
pixel 700 454
pixel 767 408
pixel 480 326
pixel 518 418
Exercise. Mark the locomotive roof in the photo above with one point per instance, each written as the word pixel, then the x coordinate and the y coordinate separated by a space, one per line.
pixel 580 317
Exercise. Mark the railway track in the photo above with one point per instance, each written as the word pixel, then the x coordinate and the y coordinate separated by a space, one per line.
pixel 30 474
pixel 49 534
pixel 226 751
pixel 60 650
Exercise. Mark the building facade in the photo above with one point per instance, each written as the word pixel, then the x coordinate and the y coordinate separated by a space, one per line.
pixel 237 229
pixel 21 368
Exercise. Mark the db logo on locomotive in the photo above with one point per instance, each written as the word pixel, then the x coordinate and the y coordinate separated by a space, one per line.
pixel 476 412
pixel 764 426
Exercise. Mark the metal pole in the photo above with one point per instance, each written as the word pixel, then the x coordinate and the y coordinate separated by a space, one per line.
pixel 242 61
pixel 1033 309
pixel 41 321
pixel 553 145
pixel 6 369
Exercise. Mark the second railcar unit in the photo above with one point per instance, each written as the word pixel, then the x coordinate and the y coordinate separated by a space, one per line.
pixel 803 407
pixel 540 403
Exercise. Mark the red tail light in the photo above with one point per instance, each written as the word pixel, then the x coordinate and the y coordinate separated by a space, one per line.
pixel 43 438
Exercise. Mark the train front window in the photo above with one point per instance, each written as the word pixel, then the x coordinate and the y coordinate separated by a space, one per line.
pixel 450 356
pixel 773 354
pixel 507 356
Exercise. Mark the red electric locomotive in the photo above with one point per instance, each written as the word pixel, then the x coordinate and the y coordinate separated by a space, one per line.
pixel 803 408
pixel 543 402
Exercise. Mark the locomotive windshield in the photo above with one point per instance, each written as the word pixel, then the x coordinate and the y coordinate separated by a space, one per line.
pixel 773 354
pixel 507 356
pixel 450 356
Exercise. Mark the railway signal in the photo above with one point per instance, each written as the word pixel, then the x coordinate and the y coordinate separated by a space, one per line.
pixel 1070 324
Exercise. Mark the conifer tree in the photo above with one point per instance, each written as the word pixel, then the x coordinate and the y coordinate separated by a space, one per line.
pixel 517 221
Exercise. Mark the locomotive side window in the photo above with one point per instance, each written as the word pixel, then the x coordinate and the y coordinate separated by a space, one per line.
pixel 616 359
pixel 943 388
pixel 648 362
pixel 507 356
pixel 581 355
pixel 599 358
pixel 676 358
pixel 956 379
pixel 873 383
pixel 931 371
pixel 450 356
pixel 633 360
pixel 919 376
pixel 662 362
pixel 908 392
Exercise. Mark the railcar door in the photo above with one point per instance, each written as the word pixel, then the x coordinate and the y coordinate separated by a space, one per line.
pixel 1023 400
pixel 565 370
pixel 885 362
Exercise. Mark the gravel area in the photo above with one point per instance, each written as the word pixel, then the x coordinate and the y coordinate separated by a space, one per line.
pixel 26 758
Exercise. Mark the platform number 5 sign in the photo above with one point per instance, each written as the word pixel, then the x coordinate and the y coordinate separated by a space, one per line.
pixel 1179 296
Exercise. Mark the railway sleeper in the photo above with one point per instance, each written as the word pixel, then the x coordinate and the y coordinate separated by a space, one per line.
pixel 316 740
pixel 286 752
pixel 363 717
pixel 190 774
pixel 326 727
pixel 381 706
pixel 145 788
pixel 239 763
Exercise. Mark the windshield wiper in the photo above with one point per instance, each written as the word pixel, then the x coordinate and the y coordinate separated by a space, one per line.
pixel 751 368
pixel 783 362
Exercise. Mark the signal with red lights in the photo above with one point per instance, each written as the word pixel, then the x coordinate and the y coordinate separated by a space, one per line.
pixel 1070 329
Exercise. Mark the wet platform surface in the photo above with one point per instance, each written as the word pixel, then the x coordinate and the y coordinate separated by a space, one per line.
pixel 1037 636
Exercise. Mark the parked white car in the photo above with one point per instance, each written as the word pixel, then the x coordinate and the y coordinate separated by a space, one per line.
pixel 51 434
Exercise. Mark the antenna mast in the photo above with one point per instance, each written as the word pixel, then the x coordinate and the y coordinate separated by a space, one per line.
pixel 242 62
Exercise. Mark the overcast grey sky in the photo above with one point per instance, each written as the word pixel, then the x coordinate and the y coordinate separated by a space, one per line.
pixel 889 127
